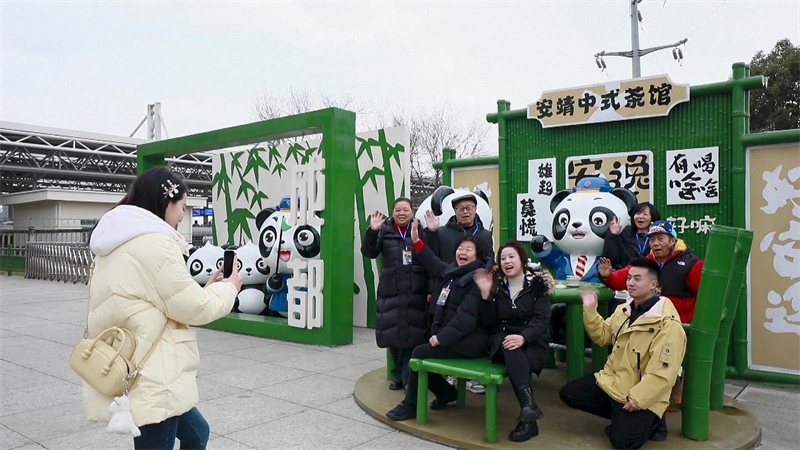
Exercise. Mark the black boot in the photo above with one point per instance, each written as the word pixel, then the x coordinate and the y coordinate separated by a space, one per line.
pixel 660 432
pixel 529 410
pixel 524 431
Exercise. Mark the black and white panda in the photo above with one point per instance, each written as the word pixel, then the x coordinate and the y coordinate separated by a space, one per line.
pixel 254 270
pixel 203 261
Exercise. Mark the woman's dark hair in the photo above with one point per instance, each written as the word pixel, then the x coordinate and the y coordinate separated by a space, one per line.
pixel 653 211
pixel 402 199
pixel 519 248
pixel 154 190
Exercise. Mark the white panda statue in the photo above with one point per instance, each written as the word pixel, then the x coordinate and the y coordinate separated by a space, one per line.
pixel 581 218
pixel 203 261
pixel 440 202
pixel 280 243
pixel 255 271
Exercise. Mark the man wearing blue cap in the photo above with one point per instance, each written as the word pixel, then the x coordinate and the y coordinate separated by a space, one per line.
pixel 680 269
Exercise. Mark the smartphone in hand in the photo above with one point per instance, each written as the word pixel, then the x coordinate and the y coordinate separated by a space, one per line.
pixel 227 263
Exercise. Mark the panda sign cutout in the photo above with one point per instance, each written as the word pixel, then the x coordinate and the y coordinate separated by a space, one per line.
pixel 440 202
pixel 581 218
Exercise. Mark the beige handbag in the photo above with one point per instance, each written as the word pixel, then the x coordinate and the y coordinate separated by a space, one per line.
pixel 104 362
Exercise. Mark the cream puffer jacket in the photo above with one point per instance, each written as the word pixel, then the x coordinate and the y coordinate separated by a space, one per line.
pixel 646 355
pixel 140 282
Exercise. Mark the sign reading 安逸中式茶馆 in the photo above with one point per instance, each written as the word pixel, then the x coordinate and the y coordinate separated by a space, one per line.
pixel 615 100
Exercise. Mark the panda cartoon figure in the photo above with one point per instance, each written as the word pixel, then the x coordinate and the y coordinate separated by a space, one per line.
pixel 279 242
pixel 203 261
pixel 581 218
pixel 440 202
pixel 254 270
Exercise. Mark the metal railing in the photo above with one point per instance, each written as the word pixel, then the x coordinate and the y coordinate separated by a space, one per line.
pixel 58 261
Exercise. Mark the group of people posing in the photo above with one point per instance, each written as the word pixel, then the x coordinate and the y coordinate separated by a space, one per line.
pixel 443 294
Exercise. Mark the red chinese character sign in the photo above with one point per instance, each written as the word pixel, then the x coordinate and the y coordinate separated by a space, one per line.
pixel 615 100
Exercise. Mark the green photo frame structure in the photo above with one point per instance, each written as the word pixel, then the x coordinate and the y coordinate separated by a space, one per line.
pixel 338 128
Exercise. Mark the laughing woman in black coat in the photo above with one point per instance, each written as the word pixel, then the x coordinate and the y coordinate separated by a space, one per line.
pixel 402 288
pixel 458 330
pixel 521 334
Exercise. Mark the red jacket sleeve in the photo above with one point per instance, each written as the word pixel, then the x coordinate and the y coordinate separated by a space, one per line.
pixel 618 280
pixel 693 277
pixel 419 245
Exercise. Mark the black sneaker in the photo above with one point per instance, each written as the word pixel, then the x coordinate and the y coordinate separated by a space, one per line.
pixel 396 385
pixel 403 411
pixel 524 431
pixel 441 402
pixel 660 432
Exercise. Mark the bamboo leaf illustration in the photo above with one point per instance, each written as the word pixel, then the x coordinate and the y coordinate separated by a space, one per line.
pixel 309 152
pixel 364 146
pixel 258 197
pixel 255 162
pixel 244 188
pixel 237 219
pixel 235 163
pixel 280 168
pixel 370 176
pixel 274 155
pixel 293 151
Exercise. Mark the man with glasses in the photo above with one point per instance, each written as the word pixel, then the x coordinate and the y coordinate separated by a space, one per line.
pixel 444 240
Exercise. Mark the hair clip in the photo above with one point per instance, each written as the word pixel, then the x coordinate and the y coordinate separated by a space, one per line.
pixel 170 189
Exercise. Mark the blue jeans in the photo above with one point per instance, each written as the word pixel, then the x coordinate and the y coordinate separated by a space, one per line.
pixel 190 428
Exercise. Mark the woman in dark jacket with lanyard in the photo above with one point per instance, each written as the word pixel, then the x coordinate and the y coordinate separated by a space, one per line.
pixel 400 320
pixel 622 245
pixel 457 330
pixel 521 334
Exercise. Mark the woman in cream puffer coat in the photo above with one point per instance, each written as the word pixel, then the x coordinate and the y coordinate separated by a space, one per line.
pixel 140 282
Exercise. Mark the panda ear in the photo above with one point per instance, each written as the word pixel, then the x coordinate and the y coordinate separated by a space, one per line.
pixel 192 250
pixel 558 198
pixel 627 197
pixel 481 194
pixel 262 216
pixel 438 197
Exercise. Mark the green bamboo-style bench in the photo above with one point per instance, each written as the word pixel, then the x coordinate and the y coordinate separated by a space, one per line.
pixel 482 370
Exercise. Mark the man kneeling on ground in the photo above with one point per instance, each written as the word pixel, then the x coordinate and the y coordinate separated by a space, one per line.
pixel 648 345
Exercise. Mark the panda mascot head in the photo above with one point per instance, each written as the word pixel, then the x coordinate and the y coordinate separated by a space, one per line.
pixel 441 203
pixel 255 271
pixel 581 215
pixel 203 261
pixel 278 243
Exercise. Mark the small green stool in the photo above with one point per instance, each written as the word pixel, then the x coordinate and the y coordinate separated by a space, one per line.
pixel 483 370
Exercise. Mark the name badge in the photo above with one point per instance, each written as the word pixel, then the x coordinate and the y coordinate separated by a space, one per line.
pixel 443 296
pixel 407 257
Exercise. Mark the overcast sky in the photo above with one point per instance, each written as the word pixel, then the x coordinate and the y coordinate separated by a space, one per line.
pixel 95 66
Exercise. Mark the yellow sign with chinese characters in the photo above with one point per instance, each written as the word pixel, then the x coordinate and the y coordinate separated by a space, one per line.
pixel 615 100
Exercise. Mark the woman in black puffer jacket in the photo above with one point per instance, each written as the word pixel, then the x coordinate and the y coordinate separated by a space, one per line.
pixel 459 329
pixel 521 334
pixel 402 288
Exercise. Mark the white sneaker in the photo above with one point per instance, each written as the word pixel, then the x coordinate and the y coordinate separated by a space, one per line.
pixel 475 387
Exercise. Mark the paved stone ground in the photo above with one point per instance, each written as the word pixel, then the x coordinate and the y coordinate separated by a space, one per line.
pixel 255 393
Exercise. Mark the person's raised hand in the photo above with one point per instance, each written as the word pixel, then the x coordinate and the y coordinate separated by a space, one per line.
pixel 376 221
pixel 483 279
pixel 415 230
pixel 431 221
pixel 604 268
pixel 614 226
pixel 588 295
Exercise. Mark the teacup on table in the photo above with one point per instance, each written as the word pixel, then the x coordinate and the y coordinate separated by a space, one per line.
pixel 573 281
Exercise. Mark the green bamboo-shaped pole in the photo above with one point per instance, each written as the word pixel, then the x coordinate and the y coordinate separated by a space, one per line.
pixel 725 255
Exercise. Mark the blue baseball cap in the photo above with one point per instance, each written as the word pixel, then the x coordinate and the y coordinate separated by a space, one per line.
pixel 662 227
pixel 592 184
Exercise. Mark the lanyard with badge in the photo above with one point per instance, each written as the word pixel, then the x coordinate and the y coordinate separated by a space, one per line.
pixel 443 295
pixel 407 259
pixel 643 246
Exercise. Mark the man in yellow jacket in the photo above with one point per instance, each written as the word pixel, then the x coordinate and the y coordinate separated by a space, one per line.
pixel 648 345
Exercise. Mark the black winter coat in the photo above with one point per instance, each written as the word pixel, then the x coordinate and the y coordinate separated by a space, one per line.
pixel 445 242
pixel 527 314
pixel 623 248
pixel 400 320
pixel 458 323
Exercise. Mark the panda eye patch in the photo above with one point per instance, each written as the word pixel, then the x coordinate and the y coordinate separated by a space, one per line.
pixel 238 264
pixel 599 219
pixel 219 263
